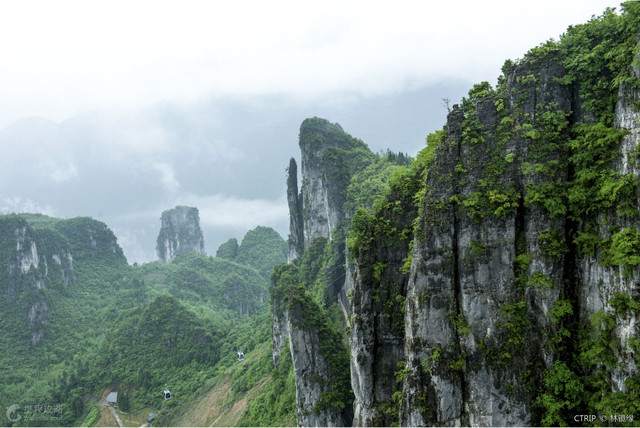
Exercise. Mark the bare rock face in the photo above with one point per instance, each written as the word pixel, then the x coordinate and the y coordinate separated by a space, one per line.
pixel 605 288
pixel 279 329
pixel 321 195
pixel 312 373
pixel 34 261
pixel 377 301
pixel 497 282
pixel 179 233
pixel 525 261
pixel 319 357
pixel 296 224
pixel 315 213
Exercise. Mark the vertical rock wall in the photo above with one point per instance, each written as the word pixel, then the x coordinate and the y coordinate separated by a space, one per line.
pixel 322 204
pixel 294 199
pixel 179 233
pixel 35 260
pixel 600 285
pixel 495 258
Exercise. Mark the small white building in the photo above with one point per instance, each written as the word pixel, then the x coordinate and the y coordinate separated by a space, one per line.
pixel 112 398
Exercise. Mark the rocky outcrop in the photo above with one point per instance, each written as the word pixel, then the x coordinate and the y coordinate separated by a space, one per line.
pixel 296 225
pixel 279 328
pixel 318 353
pixel 497 285
pixel 316 213
pixel 179 233
pixel 607 289
pixel 321 194
pixel 521 302
pixel 313 371
pixel 377 309
pixel 32 262
pixel 318 210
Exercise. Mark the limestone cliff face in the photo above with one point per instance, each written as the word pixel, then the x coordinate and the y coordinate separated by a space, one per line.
pixel 377 312
pixel 279 328
pixel 179 232
pixel 309 366
pixel 296 224
pixel 321 196
pixel 315 213
pixel 495 270
pixel 600 285
pixel 320 365
pixel 312 371
pixel 525 260
pixel 32 262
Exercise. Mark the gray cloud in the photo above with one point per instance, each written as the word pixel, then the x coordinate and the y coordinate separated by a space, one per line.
pixel 75 56
pixel 225 156
pixel 201 104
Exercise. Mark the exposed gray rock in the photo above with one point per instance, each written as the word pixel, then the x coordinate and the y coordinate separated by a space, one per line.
pixel 179 233
pixel 484 279
pixel 322 204
pixel 377 314
pixel 312 372
pixel 599 284
pixel 279 328
pixel 30 271
pixel 296 225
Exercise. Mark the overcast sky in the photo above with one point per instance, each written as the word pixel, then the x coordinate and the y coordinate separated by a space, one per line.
pixel 119 110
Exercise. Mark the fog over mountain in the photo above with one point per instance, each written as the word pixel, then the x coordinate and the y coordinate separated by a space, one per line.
pixel 121 111
pixel 226 157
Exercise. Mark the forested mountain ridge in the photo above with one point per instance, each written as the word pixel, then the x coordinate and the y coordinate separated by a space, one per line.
pixel 77 320
pixel 495 280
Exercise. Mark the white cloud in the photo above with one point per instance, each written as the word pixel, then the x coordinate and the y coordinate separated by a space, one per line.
pixel 167 176
pixel 128 241
pixel 68 56
pixel 222 211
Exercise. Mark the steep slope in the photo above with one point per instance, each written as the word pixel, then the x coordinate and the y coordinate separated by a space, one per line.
pixel 495 281
pixel 524 261
pixel 530 219
pixel 54 273
pixel 310 298
pixel 378 242
pixel 78 320
pixel 27 255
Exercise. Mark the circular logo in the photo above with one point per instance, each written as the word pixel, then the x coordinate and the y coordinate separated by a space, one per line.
pixel 603 418
pixel 10 413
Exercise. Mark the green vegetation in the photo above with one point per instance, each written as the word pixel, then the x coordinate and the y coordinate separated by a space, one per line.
pixel 78 321
pixel 623 250
pixel 228 250
pixel 101 323
pixel 311 315
pixel 262 248
pixel 572 175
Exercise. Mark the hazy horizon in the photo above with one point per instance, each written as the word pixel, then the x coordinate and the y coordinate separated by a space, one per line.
pixel 120 111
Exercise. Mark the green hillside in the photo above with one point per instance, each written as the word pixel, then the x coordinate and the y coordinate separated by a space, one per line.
pixel 83 321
